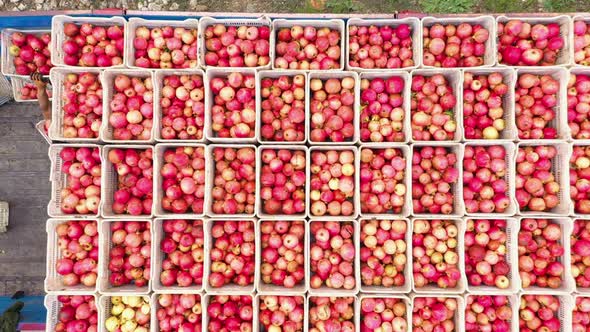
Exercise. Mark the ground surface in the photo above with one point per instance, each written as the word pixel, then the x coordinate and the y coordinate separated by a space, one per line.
pixel 306 6
pixel 24 183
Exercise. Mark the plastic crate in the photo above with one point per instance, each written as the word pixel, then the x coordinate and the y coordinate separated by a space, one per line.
pixel 107 81
pixel 456 189
pixel 158 256
pixel 264 288
pixel 276 74
pixel 407 208
pixel 228 289
pixel 325 75
pixel 432 288
pixel 408 275
pixel 209 181
pixel 59 181
pixel 5 90
pixel 459 313
pixel 513 302
pixel 511 256
pixel 406 94
pixel 577 70
pixel 333 24
pixel 565 55
pixel 568 283
pixel 110 183
pixel 454 79
pixel 510 132
pixel 58 36
pixel 581 290
pixel 564 314
pixel 413 22
pixel 40 126
pixel 58 76
pixel 486 21
pixel 3 216
pixel 357 165
pixel 586 19
pixel 509 177
pixel 158 180
pixel 206 21
pixel 560 169
pixel 105 306
pixel 258 297
pixel 560 121
pixel 154 322
pixel 325 290
pixel 158 85
pixel 403 298
pixel 18 83
pixel 104 286
pixel 259 208
pixel 53 281
pixel 53 306
pixel 7 59
pixel 136 22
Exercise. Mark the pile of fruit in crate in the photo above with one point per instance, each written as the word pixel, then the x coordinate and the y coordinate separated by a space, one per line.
pixel 316 175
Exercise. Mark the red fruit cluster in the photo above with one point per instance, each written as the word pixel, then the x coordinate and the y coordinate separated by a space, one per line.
pixel 132 108
pixel 233 114
pixel 332 183
pixel 463 45
pixel 433 103
pixel 30 53
pixel 382 112
pixel 308 48
pixel 332 114
pixel 179 312
pixel 283 109
pixel 282 181
pixel 383 186
pixel 183 107
pixel 382 47
pixel 182 246
pixel 230 312
pixel 76 313
pixel 580 246
pixel 237 46
pixel 135 192
pixel 78 247
pixel 523 44
pixel 483 108
pixel 90 45
pixel 81 194
pixel 536 186
pixel 183 181
pixel 331 313
pixel 282 253
pixel 282 312
pixel 234 182
pixel 129 257
pixel 536 100
pixel 580 179
pixel 578 105
pixel 165 47
pixel 82 105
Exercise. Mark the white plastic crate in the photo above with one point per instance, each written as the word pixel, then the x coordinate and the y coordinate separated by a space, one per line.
pixel 572 210
pixel 564 314
pixel 276 74
pixel 580 17
pixel 209 181
pixel 357 165
pixel 510 132
pixel 105 306
pixel 413 22
pixel 3 216
pixel 53 281
pixel 565 55
pixel 209 102
pixel 158 256
pixel 454 79
pixel 40 126
pixel 59 181
pixel 158 85
pixel 560 122
pixel 560 169
pixel 257 298
pixel 486 21
pixel 58 76
pixel 513 302
pixel 432 288
pixel 110 183
pixel 207 299
pixel 158 180
pixel 154 322
pixel 229 289
pixel 18 83
pixel 456 189
pixel 511 257
pixel 407 287
pixel 568 284
pixel 104 286
pixel 576 70
pixel 403 298
pixel 136 22
pixel 334 295
pixel 58 36
pixel 325 290
pixel 325 75
pixel 459 319
pixel 333 24
pixel 52 305
pixel 406 94
pixel 585 291
pixel 206 21
pixel 259 208
pixel 107 80
pixel 510 150
pixel 406 153
pixel 271 288
pixel 7 59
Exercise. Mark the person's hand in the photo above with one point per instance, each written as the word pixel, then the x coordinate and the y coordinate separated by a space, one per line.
pixel 39 80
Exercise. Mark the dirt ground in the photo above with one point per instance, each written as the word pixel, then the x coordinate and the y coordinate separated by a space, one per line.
pixel 310 6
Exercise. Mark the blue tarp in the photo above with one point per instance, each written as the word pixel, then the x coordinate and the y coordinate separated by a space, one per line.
pixel 33 312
